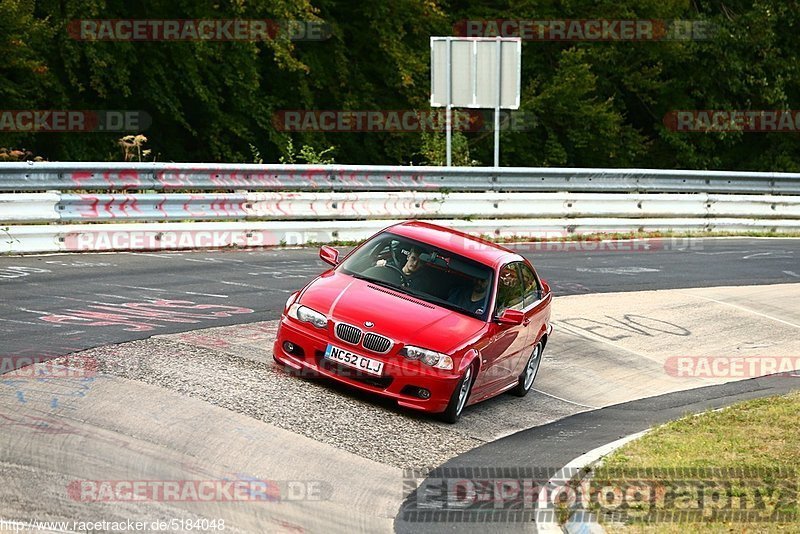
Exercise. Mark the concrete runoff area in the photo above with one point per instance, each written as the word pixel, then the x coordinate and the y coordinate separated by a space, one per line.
pixel 56 462
pixel 209 405
pixel 621 347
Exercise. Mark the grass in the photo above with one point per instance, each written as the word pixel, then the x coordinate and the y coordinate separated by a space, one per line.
pixel 712 467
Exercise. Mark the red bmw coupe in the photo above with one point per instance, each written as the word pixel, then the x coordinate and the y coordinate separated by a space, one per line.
pixel 431 317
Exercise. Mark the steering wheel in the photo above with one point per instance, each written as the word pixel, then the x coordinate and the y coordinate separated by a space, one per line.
pixel 393 249
pixel 397 269
pixel 387 273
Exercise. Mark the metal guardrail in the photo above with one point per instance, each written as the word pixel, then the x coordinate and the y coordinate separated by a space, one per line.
pixel 265 205
pixel 214 235
pixel 47 176
pixel 81 208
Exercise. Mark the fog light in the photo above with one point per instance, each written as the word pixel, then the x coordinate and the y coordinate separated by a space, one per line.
pixel 288 346
pixel 424 393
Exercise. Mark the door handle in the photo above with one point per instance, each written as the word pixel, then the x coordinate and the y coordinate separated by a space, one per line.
pixel 526 322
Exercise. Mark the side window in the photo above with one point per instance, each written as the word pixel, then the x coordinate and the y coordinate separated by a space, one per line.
pixel 509 289
pixel 530 285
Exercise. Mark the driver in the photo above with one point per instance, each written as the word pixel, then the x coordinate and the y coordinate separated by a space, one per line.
pixel 413 271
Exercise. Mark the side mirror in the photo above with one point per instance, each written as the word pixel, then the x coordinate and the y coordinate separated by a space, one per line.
pixel 545 288
pixel 329 255
pixel 512 317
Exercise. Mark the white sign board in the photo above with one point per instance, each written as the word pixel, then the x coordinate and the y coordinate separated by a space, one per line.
pixel 472 68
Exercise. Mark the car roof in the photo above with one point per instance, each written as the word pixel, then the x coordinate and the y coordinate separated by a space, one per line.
pixel 456 241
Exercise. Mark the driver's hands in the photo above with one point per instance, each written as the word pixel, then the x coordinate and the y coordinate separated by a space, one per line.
pixel 381 263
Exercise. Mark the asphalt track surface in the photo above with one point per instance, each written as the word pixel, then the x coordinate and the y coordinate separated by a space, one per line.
pixel 52 305
pixel 58 304
pixel 556 444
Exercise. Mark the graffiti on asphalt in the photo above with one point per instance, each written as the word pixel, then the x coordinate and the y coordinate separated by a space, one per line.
pixel 144 316
pixel 629 325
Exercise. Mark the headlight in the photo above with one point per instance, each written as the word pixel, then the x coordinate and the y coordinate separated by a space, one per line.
pixel 291 299
pixel 307 315
pixel 428 357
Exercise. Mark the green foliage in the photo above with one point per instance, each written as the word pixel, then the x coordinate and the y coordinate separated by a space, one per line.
pixel 597 103
pixel 434 149
pixel 25 76
pixel 308 154
pixel 256 154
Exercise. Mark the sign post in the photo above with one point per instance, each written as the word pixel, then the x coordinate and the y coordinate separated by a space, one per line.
pixel 475 73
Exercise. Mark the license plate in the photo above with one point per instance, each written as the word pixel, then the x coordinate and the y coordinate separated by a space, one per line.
pixel 356 361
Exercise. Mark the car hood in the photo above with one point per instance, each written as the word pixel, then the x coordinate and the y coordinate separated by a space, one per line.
pixel 403 318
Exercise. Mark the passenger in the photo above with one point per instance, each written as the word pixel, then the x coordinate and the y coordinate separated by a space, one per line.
pixel 472 299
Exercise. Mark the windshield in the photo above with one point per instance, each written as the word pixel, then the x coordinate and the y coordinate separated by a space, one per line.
pixel 437 276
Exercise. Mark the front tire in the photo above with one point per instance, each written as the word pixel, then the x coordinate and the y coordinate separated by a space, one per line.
pixel 460 397
pixel 529 373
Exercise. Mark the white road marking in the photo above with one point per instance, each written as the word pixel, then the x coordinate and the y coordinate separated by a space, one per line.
pixel 213 260
pixel 756 254
pixel 627 271
pixel 565 400
pixel 170 291
pixel 19 322
pixel 744 309
pixel 171 255
pixel 111 296
pixel 256 287
pixel 792 273
pixel 205 294
pixel 81 264
pixel 33 311
pixel 279 275
pixel 85 300
pixel 230 260
pixel 137 287
pixel 238 284
pixel 16 271
pixel 724 252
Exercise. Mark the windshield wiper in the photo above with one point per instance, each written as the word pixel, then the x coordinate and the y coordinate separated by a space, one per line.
pixel 414 293
pixel 436 300
pixel 373 280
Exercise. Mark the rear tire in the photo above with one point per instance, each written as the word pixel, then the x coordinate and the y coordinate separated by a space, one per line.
pixel 525 381
pixel 458 400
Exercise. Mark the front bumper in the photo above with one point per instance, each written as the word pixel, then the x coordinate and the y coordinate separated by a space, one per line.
pixel 401 377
